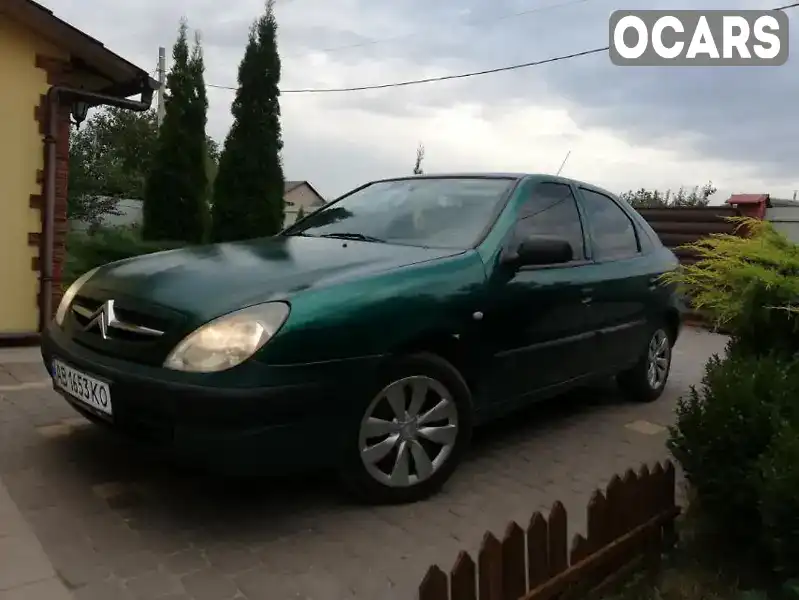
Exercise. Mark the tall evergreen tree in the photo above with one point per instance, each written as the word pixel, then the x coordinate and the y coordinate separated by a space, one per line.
pixel 175 193
pixel 249 185
pixel 206 168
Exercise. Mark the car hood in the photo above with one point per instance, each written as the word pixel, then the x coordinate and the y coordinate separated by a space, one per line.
pixel 206 281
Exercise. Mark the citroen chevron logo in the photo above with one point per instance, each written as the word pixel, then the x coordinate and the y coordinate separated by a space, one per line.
pixel 103 318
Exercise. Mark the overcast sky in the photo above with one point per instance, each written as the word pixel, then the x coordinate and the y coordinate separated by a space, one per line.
pixel 626 127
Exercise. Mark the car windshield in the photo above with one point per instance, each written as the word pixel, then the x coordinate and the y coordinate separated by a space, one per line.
pixel 429 212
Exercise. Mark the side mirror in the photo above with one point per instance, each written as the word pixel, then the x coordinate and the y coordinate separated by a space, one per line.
pixel 541 250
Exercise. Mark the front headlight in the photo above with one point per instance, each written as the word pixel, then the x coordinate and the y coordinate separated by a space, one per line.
pixel 229 340
pixel 69 296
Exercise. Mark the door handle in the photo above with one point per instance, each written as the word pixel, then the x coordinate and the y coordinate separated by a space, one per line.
pixel 587 295
pixel 654 282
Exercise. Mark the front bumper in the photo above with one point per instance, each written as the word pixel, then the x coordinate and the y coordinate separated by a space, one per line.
pixel 277 428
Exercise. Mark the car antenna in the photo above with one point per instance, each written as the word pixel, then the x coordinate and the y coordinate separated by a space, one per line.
pixel 564 162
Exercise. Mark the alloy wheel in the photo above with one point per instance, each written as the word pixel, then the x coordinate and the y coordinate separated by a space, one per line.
pixel 658 359
pixel 408 432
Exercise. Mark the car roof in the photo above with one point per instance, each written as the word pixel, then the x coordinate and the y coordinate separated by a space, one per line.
pixel 532 177
pixel 466 174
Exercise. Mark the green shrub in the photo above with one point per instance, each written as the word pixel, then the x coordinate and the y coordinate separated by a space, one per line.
pixel 748 285
pixel 737 436
pixel 778 474
pixel 722 431
pixel 88 250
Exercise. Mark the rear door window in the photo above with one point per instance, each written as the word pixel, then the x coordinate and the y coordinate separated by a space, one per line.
pixel 612 231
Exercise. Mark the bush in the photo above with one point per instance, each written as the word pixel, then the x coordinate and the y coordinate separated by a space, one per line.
pixel 86 251
pixel 748 285
pixel 737 436
pixel 723 431
pixel 779 499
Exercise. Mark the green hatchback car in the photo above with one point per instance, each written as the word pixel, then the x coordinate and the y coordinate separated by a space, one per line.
pixel 373 335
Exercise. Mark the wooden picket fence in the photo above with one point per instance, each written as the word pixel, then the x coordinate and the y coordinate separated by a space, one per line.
pixel 629 526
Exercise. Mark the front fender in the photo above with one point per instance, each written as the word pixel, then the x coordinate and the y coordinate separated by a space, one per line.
pixel 374 316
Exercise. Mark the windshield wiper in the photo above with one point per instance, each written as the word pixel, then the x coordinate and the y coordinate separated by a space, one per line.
pixel 354 236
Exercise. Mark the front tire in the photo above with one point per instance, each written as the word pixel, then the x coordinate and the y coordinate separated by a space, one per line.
pixel 646 380
pixel 411 433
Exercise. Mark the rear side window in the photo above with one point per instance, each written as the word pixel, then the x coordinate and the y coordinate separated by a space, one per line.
pixel 612 231
pixel 647 237
pixel 552 210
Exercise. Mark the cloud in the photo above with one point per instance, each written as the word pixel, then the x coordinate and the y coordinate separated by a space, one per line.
pixel 626 127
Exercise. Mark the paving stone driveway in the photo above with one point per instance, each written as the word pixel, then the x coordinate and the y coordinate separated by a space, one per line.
pixel 118 524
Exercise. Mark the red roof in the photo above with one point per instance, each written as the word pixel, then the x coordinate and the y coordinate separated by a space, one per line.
pixel 748 199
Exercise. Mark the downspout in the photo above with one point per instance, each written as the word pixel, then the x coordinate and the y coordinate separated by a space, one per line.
pixel 48 218
pixel 54 96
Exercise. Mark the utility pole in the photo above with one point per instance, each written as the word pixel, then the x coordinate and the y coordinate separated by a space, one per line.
pixel 161 83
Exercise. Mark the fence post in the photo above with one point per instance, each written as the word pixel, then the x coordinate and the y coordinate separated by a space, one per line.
pixel 463 579
pixel 558 539
pixel 514 578
pixel 489 569
pixel 537 551
pixel 434 585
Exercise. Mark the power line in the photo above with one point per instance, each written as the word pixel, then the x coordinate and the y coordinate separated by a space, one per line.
pixel 430 79
pixel 410 82
pixel 372 42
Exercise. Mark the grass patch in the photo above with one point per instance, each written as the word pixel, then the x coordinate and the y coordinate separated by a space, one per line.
pixel 681 580
pixel 699 568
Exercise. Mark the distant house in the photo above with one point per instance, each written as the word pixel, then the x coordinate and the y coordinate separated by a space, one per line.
pixel 300 194
pixel 784 215
pixel 128 212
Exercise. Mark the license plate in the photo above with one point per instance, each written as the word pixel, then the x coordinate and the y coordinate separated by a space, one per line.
pixel 89 390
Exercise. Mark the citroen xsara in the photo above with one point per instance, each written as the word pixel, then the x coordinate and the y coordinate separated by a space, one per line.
pixel 374 334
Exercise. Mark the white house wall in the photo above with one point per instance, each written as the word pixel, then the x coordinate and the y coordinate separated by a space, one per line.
pixel 300 196
pixel 786 220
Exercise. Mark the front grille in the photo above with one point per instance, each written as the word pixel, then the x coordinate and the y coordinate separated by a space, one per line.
pixel 137 331
pixel 147 324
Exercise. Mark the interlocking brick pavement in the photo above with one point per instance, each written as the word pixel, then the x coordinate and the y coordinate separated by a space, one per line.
pixel 119 523
pixel 25 571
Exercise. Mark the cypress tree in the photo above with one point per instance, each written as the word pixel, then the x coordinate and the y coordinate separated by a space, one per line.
pixel 176 189
pixel 204 145
pixel 249 185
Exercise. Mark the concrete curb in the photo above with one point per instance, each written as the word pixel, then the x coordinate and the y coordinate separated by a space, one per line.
pixel 25 571
pixel 29 354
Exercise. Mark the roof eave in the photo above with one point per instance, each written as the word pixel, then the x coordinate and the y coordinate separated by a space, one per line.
pixel 748 199
pixel 126 79
pixel 133 87
pixel 313 189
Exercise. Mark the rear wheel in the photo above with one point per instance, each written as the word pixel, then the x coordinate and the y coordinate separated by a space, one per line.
pixel 645 381
pixel 412 432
